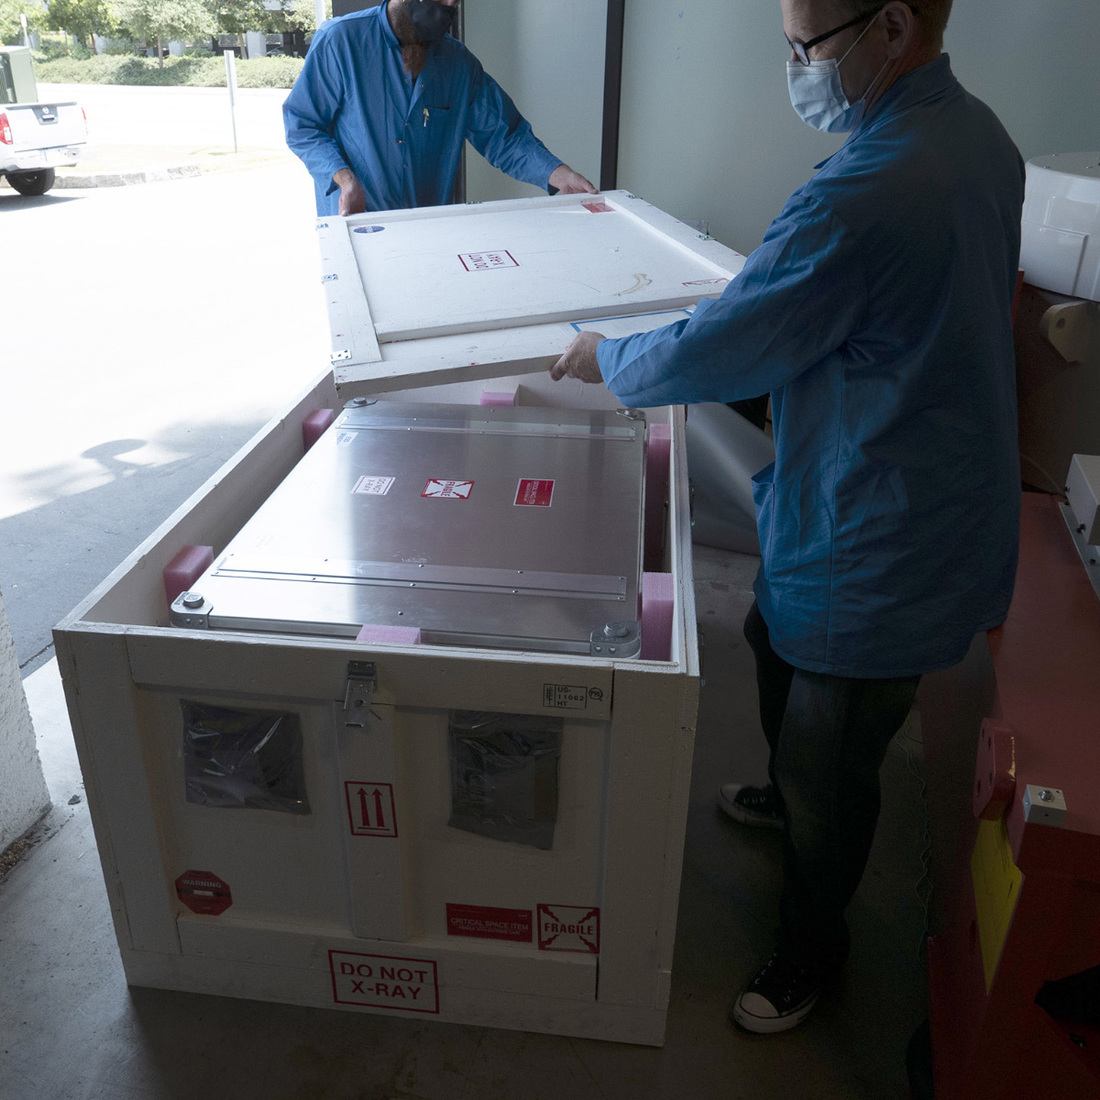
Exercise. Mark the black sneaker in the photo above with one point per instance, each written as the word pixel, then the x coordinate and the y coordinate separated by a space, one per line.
pixel 779 997
pixel 759 806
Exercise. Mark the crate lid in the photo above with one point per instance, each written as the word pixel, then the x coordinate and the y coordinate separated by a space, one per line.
pixel 478 291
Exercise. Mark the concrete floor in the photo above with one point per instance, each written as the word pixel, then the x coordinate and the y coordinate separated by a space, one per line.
pixel 70 1029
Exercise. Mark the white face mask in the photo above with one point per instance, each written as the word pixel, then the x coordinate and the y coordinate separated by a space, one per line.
pixel 818 95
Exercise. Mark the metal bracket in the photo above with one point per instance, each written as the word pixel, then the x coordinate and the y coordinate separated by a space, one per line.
pixel 341 355
pixel 619 639
pixel 332 278
pixel 1044 805
pixel 191 609
pixel 361 683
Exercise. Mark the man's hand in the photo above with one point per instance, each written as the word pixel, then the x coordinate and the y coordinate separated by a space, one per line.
pixel 353 199
pixel 568 182
pixel 579 360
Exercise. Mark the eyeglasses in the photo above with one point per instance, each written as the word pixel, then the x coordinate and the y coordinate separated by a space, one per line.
pixel 801 49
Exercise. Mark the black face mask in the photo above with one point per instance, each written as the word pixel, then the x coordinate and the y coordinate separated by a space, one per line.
pixel 430 20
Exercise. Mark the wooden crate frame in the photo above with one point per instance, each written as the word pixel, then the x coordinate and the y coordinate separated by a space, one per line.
pixel 117 644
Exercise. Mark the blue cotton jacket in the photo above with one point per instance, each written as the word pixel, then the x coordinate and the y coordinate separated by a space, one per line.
pixel 354 106
pixel 877 313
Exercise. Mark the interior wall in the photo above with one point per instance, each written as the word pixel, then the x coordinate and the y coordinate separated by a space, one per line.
pixel 23 793
pixel 549 57
pixel 708 133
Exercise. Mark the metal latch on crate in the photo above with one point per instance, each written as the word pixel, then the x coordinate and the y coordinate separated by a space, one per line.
pixel 361 683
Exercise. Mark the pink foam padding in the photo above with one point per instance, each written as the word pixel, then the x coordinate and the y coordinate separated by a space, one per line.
pixel 491 397
pixel 657 453
pixel 389 635
pixel 315 424
pixel 658 600
pixel 186 568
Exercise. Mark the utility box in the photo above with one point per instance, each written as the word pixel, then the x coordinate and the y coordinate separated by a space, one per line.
pixel 17 83
pixel 410 729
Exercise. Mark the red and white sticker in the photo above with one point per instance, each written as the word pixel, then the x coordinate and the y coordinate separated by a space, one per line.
pixel 598 208
pixel 488 922
pixel 373 486
pixel 370 809
pixel 569 928
pixel 203 892
pixel 379 981
pixel 447 489
pixel 534 492
pixel 487 261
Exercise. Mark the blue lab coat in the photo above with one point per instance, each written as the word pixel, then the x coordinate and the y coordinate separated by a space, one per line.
pixel 877 314
pixel 354 106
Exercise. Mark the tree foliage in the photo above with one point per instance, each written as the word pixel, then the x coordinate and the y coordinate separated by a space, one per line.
pixel 11 30
pixel 82 17
pixel 164 20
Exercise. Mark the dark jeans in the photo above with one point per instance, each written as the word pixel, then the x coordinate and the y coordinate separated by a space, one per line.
pixel 828 736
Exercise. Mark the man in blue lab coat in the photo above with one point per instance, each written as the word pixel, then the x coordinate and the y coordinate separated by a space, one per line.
pixel 386 99
pixel 877 313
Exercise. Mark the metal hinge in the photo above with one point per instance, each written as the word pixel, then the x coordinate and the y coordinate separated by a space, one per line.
pixel 361 683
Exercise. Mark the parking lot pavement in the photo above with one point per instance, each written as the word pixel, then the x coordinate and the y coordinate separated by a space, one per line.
pixel 145 135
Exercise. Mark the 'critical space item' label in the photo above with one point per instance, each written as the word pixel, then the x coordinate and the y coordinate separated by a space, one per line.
pixel 488 922
pixel 534 492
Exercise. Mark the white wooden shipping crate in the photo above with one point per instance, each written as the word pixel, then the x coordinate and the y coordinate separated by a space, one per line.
pixel 370 900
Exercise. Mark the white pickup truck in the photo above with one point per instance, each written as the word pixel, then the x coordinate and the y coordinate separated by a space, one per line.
pixel 35 137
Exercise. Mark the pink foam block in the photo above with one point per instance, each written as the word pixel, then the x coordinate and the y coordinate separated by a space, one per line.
pixel 314 425
pixel 658 600
pixel 657 452
pixel 186 568
pixel 491 397
pixel 389 635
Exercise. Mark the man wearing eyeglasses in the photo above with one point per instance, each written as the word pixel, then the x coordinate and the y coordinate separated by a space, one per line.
pixel 877 312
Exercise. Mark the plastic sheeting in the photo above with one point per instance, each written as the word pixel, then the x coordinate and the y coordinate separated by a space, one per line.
pixel 724 452
pixel 504 776
pixel 235 758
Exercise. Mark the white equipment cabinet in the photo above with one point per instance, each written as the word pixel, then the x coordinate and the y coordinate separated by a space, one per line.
pixel 352 761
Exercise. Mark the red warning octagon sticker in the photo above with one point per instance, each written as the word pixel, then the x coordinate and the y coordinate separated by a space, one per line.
pixel 203 893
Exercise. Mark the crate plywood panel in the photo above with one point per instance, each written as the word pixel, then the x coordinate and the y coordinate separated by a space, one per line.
pixel 502 283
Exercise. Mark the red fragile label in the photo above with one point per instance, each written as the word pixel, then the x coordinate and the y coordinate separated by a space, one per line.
pixel 489 923
pixel 569 928
pixel 203 893
pixel 448 489
pixel 598 207
pixel 534 492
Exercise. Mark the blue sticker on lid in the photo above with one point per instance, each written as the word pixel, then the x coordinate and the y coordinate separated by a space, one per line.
pixel 368 229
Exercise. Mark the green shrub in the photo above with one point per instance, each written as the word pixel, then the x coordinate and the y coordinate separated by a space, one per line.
pixel 197 72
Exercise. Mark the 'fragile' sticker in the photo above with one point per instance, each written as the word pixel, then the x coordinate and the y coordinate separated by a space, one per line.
pixel 569 928
pixel 448 489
